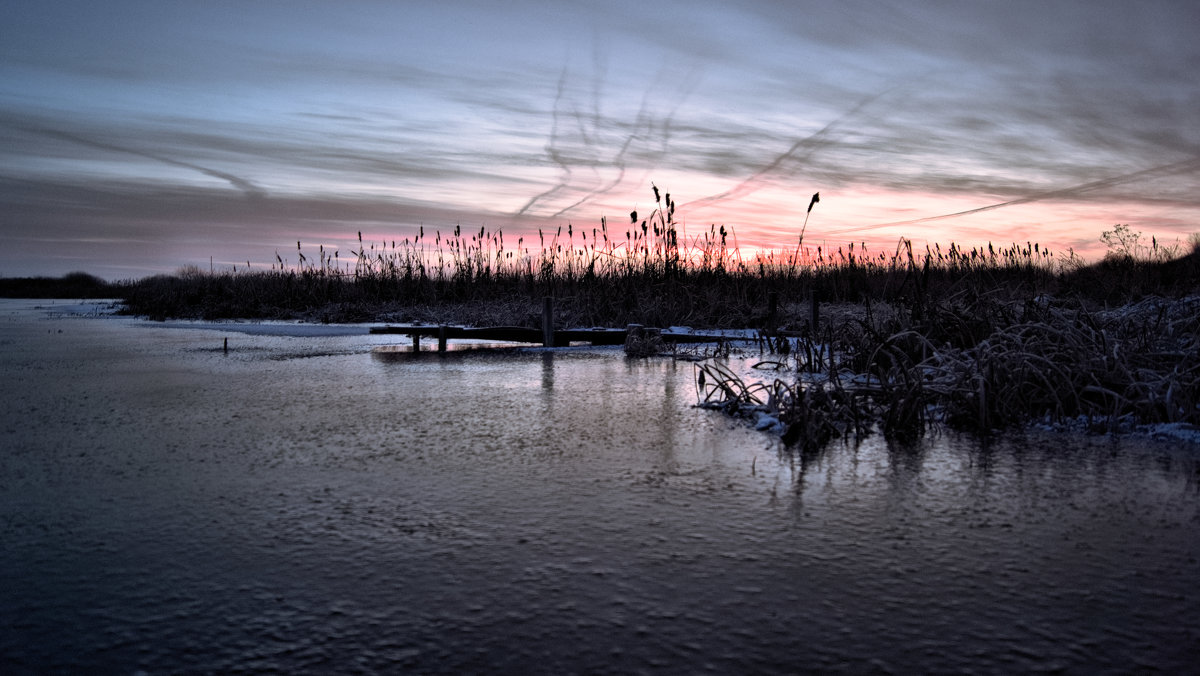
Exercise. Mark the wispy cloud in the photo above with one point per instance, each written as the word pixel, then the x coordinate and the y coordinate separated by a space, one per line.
pixel 242 184
pixel 800 150
pixel 202 123
pixel 1183 167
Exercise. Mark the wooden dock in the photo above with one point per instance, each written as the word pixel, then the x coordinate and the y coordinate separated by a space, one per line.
pixel 557 338
pixel 548 336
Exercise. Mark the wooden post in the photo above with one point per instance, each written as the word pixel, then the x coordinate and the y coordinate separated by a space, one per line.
pixel 548 321
pixel 442 338
pixel 226 346
pixel 416 341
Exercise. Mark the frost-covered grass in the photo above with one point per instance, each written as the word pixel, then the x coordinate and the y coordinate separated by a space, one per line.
pixel 980 363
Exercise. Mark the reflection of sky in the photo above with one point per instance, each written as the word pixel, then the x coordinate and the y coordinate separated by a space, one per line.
pixel 139 136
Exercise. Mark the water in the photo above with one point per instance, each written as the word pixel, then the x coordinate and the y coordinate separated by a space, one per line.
pixel 306 504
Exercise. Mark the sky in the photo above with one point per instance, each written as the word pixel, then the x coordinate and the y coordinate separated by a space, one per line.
pixel 140 137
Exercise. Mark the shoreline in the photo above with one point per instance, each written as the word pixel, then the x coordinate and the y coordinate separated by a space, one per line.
pixel 904 397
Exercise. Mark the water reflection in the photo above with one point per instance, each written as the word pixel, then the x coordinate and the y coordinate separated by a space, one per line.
pixel 548 373
pixel 401 353
pixel 565 511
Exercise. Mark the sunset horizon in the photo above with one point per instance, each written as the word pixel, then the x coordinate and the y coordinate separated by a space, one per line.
pixel 141 138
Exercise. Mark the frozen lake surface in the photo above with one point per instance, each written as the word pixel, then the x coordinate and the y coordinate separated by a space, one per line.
pixel 308 504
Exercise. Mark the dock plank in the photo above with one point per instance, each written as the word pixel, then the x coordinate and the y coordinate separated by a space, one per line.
pixel 562 337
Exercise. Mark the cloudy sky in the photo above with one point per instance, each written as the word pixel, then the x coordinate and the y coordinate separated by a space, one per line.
pixel 137 137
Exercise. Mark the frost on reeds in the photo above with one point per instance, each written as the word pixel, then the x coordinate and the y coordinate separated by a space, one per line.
pixel 1060 361
pixel 979 363
pixel 808 415
pixel 643 342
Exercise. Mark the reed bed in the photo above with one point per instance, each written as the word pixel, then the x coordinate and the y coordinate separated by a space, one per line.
pixel 642 271
pixel 979 364
pixel 977 338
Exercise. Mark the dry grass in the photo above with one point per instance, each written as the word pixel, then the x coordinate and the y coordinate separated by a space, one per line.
pixel 980 364
pixel 978 338
pixel 639 272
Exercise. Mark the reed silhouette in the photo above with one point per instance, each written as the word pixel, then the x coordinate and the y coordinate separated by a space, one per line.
pixel 978 338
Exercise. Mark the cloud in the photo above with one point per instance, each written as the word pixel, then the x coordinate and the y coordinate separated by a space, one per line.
pixel 799 151
pixel 251 190
pixel 62 225
pixel 1183 167
pixel 525 115
pixel 605 142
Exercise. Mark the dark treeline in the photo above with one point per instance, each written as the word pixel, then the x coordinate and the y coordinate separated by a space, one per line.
pixel 73 285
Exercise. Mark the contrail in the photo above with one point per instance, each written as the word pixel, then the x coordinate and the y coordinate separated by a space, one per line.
pixel 242 184
pixel 643 126
pixel 811 142
pixel 690 83
pixel 552 149
pixel 618 162
pixel 1163 170
pixel 644 120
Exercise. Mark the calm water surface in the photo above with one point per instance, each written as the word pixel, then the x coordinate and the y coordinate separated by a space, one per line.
pixel 308 504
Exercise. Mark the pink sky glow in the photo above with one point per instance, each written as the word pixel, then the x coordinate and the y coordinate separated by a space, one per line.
pixel 138 137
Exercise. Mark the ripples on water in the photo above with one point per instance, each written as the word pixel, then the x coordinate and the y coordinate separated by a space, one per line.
pixel 303 504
